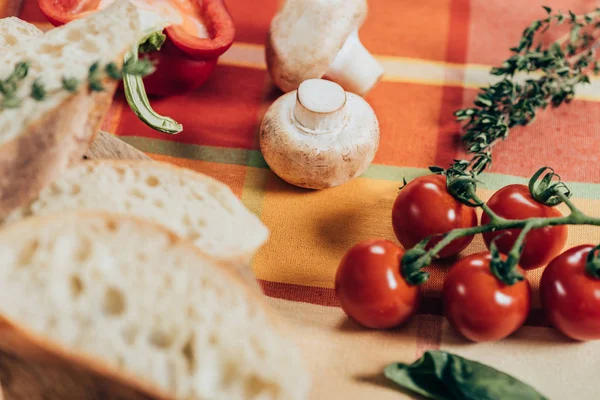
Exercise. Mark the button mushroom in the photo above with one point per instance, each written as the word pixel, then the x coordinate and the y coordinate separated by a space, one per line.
pixel 319 38
pixel 319 136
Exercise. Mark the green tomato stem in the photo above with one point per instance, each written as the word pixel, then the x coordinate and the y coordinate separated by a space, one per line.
pixel 592 266
pixel 497 223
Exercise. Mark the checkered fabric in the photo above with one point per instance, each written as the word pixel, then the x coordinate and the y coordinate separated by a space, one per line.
pixel 435 54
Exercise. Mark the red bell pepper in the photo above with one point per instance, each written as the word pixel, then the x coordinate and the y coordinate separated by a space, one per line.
pixel 185 61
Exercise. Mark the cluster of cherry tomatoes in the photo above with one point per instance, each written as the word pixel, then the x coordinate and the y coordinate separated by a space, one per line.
pixel 373 292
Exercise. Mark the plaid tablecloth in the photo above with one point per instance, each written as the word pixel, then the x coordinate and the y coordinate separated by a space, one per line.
pixel 435 54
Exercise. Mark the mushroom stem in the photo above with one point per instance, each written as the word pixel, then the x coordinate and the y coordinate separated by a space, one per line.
pixel 354 67
pixel 320 106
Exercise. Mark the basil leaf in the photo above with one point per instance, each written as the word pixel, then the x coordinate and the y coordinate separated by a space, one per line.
pixel 439 375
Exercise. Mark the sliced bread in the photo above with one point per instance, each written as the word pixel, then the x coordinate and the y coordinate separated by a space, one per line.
pixel 190 204
pixel 129 300
pixel 16 32
pixel 38 139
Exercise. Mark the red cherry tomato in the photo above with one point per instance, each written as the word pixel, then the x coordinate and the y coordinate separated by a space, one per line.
pixel 479 305
pixel 541 245
pixel 424 208
pixel 370 288
pixel 570 297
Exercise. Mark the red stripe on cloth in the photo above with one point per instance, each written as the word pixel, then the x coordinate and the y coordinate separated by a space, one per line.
pixel 31 12
pixel 458 33
pixel 430 306
pixel 429 328
pixel 299 293
pixel 448 143
pixel 429 333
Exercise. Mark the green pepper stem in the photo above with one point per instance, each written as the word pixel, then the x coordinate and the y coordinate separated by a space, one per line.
pixel 137 99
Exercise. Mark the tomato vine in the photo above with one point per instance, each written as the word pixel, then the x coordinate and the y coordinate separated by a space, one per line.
pixel 555 192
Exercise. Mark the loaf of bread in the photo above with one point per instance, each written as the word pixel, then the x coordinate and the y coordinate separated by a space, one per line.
pixel 129 300
pixel 38 139
pixel 190 204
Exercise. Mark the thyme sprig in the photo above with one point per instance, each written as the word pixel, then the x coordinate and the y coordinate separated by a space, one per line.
pixel 553 73
pixel 97 74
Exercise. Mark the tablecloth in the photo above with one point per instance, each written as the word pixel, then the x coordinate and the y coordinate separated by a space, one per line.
pixel 435 54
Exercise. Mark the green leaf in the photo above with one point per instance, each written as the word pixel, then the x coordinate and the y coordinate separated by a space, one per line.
pixel 38 91
pixel 95 85
pixel 20 72
pixel 439 375
pixel 70 84
pixel 138 67
pixel 548 9
pixel 152 43
pixel 113 71
pixel 573 16
pixel 94 68
pixel 436 169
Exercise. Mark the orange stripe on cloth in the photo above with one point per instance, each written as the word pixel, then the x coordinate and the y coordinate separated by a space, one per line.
pixel 393 27
pixel 230 174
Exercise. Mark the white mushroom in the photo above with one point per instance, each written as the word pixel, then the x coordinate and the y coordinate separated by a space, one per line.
pixel 319 136
pixel 319 38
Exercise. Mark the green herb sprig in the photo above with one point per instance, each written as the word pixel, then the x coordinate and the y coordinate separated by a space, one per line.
pixel 96 76
pixel 553 74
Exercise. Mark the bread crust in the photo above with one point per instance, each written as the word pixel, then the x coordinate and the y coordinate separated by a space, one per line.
pixel 38 156
pixel 16 339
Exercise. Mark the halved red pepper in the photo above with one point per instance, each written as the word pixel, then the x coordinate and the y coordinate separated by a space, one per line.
pixel 185 61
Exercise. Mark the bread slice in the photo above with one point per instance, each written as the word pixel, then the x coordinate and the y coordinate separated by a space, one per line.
pixel 16 32
pixel 39 139
pixel 190 204
pixel 129 300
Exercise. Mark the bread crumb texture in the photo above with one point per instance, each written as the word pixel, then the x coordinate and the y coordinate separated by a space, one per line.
pixel 192 205
pixel 132 295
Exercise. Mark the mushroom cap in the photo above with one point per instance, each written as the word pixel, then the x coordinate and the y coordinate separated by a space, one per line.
pixel 318 160
pixel 306 35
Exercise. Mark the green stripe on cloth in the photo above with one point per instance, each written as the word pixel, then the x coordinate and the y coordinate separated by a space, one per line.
pixel 222 155
pixel 253 158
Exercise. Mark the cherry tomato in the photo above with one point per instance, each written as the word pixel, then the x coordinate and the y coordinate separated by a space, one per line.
pixel 370 288
pixel 541 245
pixel 424 208
pixel 570 297
pixel 479 305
